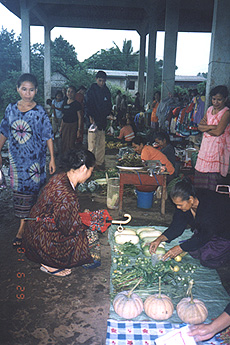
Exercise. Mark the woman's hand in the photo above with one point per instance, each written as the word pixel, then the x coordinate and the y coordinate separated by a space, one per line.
pixel 207 331
pixel 52 166
pixel 78 133
pixel 201 332
pixel 172 253
pixel 153 246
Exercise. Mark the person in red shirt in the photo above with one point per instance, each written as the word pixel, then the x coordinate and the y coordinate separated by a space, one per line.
pixel 148 152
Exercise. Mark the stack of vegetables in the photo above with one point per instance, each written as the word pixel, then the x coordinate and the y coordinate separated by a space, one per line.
pixel 132 266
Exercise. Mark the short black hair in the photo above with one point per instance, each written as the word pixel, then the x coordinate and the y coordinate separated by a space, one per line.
pixel 101 75
pixel 75 158
pixel 139 140
pixel 221 89
pixel 73 88
pixel 58 93
pixel 162 136
pixel 27 77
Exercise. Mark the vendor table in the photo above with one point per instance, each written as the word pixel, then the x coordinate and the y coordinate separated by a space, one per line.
pixel 142 178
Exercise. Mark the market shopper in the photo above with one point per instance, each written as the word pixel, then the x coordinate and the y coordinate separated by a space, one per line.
pixel 148 152
pixel 213 157
pixel 206 331
pixel 162 141
pixel 98 106
pixel 207 212
pixel 59 240
pixel 27 127
pixel 71 122
pixel 126 131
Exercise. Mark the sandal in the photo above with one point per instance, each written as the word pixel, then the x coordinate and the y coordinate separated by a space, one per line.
pixel 17 242
pixel 55 273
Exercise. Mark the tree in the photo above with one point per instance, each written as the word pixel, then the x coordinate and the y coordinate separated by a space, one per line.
pixel 62 51
pixel 114 58
pixel 10 53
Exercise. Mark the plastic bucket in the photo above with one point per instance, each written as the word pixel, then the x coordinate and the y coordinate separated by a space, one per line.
pixel 113 188
pixel 144 199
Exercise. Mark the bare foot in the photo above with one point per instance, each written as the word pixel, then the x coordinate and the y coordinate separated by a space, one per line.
pixel 55 271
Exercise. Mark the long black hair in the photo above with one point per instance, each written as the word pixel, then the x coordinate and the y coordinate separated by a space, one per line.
pixel 183 189
pixel 74 159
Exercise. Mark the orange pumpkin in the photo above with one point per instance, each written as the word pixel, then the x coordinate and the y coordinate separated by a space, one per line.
pixel 191 310
pixel 127 305
pixel 158 307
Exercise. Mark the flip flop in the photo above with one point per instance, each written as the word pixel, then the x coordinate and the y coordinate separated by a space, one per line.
pixel 43 269
pixel 17 242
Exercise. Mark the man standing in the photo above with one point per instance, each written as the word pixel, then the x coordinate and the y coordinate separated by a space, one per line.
pixel 98 106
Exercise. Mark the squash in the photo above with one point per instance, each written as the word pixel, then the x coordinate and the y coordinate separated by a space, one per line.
pixel 149 240
pixel 128 304
pixel 121 239
pixel 138 231
pixel 125 232
pixel 159 307
pixel 153 233
pixel 191 310
pixel 145 251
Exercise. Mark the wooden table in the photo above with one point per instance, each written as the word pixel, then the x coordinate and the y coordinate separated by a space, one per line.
pixel 133 177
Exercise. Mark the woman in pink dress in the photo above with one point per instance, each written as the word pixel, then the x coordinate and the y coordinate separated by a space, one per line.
pixel 213 158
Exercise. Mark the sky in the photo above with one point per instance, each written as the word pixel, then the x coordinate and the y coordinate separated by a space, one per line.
pixel 192 48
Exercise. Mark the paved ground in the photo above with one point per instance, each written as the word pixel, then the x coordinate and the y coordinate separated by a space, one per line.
pixel 39 309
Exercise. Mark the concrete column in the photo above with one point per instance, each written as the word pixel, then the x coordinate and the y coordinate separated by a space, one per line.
pixel 25 27
pixel 47 64
pixel 141 69
pixel 219 60
pixel 170 46
pixel 151 59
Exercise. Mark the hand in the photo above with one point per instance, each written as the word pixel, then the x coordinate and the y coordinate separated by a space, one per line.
pixel 78 133
pixel 153 246
pixel 201 332
pixel 172 253
pixel 52 167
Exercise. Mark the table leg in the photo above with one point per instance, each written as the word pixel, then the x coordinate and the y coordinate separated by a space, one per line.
pixel 163 196
pixel 121 191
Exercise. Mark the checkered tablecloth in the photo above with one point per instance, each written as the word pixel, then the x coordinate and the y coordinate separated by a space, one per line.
pixel 141 333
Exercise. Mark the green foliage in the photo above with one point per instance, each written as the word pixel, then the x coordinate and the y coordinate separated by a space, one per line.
pixel 10 56
pixel 114 58
pixel 201 87
pixel 65 52
pixel 113 89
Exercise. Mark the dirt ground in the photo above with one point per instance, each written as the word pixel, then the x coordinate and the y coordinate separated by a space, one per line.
pixel 40 309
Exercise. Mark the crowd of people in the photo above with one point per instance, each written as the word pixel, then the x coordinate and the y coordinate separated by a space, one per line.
pixel 60 241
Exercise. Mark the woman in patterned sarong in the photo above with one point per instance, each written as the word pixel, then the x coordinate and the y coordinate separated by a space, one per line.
pixel 27 128
pixel 58 239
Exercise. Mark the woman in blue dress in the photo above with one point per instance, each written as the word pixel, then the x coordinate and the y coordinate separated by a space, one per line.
pixel 29 132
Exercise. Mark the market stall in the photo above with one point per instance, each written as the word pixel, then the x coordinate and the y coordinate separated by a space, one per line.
pixel 130 264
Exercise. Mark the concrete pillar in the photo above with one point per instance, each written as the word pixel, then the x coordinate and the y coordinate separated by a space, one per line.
pixel 170 46
pixel 47 64
pixel 151 59
pixel 219 60
pixel 25 27
pixel 141 69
